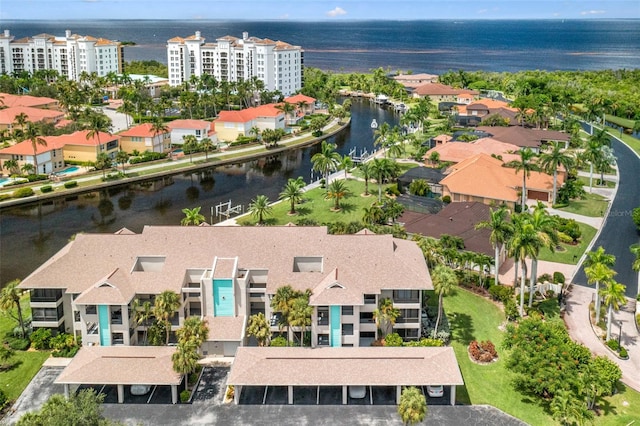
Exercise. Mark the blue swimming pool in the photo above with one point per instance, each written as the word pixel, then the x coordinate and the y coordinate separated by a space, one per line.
pixel 68 170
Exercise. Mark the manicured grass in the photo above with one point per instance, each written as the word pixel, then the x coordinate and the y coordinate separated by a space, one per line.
pixel 596 179
pixel 624 122
pixel 318 208
pixel 473 317
pixel 593 205
pixel 632 142
pixel 571 253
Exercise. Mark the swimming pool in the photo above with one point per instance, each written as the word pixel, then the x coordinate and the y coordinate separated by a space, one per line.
pixel 5 180
pixel 68 170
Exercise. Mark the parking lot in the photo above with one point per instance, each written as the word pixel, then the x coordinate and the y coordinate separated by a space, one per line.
pixel 156 394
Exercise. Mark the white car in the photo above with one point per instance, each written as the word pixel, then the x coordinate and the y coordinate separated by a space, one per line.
pixel 140 389
pixel 357 392
pixel 435 391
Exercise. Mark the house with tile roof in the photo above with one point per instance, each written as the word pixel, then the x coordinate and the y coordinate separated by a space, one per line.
pixel 438 92
pixel 50 156
pixel 457 151
pixel 79 146
pixel 226 280
pixel 485 179
pixel 231 124
pixel 199 128
pixel 34 115
pixel 299 100
pixel 143 138
pixel 523 137
pixel 8 100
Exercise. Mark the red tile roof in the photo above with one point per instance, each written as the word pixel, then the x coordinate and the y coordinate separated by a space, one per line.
pixel 188 124
pixel 248 114
pixel 56 142
pixel 299 98
pixel 9 100
pixel 144 130
pixel 8 115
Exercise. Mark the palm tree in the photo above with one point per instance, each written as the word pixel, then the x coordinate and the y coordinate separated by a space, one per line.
pixel 613 297
pixel 545 226
pixel 501 230
pixel 365 169
pixel 281 303
pixel 255 130
pixel 185 360
pixel 552 159
pixel 103 162
pixel 592 152
pixel 346 163
pixel 413 406
pixel 10 299
pixel 98 123
pixel 143 313
pixel 292 191
pixel 287 109
pixel 597 266
pixel 300 314
pixel 326 160
pixel 190 144
pixel 165 308
pixel 192 217
pixel 523 243
pixel 525 165
pixel 158 126
pixel 259 208
pixel 635 250
pixel 337 190
pixel 32 133
pixel 259 328
pixel 194 329
pixel 386 316
pixel 122 157
pixel 27 168
pixel 11 166
pixel 444 283
pixel 20 120
pixel 382 134
pixel 207 146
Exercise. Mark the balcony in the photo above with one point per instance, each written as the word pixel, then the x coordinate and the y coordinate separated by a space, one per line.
pixel 45 295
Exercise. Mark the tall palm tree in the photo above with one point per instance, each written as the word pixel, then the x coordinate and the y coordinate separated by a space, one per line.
pixel 193 329
pixel 525 164
pixel 165 307
pixel 97 123
pixel 444 283
pixel 20 120
pixel 501 230
pixel 190 145
pixel 382 134
pixel 143 313
pixel 365 169
pixel 207 146
pixel 382 168
pixel 185 360
pixel 259 328
pixel 546 227
pixel 413 406
pixel 259 208
pixel 122 157
pixel 327 160
pixel 523 243
pixel 281 303
pixel 192 217
pixel 336 191
pixel 300 314
pixel 613 298
pixel 287 109
pixel 158 127
pixel 592 152
pixel 32 133
pixel 635 250
pixel 385 316
pixel 346 163
pixel 552 159
pixel 292 191
pixel 598 257
pixel 10 299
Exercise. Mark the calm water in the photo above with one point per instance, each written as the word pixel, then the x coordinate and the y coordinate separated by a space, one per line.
pixel 30 235
pixel 420 46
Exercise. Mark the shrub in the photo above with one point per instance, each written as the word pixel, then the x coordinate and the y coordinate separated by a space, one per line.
pixel 564 238
pixel 40 338
pixel 70 184
pixel 501 292
pixel 392 190
pixel 483 351
pixel 393 339
pixel 545 277
pixel 184 396
pixel 22 192
pixel 638 320
pixel 4 196
pixel 279 341
pixel 623 353
pixel 424 342
pixel 446 199
pixel 231 392
pixel 569 227
pixel 19 344
pixel 511 310
pixel 558 277
pixel 3 399
pixel 35 178
pixel 636 217
pixel 613 345
pixel 46 188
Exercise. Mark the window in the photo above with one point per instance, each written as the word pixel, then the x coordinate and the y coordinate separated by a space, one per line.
pixel 407 333
pixel 323 340
pixel 408 315
pixel 45 295
pixel 366 318
pixel 347 310
pixel 347 329
pixel 117 339
pixel 369 299
pixel 76 316
pixel 412 296
pixel 323 315
pixel 90 310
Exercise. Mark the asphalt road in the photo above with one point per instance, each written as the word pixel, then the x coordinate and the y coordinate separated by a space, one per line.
pixel 619 231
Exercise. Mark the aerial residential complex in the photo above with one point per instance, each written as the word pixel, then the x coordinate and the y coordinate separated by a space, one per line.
pixel 276 63
pixel 69 55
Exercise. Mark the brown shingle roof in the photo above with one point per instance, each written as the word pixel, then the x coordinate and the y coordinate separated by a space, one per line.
pixel 225 329
pixel 376 366
pixel 523 137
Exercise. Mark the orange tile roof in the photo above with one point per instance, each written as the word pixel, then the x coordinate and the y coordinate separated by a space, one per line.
pixel 8 115
pixel 437 89
pixel 9 100
pixel 144 130
pixel 299 98
pixel 80 138
pixel 456 152
pixel 26 148
pixel 188 124
pixel 492 103
pixel 485 176
pixel 56 142
pixel 248 114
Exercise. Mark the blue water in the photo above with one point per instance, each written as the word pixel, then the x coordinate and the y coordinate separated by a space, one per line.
pixel 68 170
pixel 421 46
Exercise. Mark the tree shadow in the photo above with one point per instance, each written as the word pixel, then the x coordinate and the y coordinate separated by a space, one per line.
pixel 461 326
pixel 12 366
pixel 303 211
pixel 346 207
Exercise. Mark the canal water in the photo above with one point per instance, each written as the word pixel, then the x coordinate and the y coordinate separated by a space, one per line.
pixel 30 234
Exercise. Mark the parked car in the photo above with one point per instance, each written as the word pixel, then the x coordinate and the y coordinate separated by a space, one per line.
pixel 357 392
pixel 140 389
pixel 435 391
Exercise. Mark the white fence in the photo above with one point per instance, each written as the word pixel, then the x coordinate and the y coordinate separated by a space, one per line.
pixel 542 288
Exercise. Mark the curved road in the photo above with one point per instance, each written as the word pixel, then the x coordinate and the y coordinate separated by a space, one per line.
pixel 619 231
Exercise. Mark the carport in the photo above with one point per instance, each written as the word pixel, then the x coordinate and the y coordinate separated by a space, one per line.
pixel 227 334
pixel 119 366
pixel 307 371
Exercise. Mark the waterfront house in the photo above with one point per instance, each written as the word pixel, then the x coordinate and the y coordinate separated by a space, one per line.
pixel 299 100
pixel 34 115
pixel 231 124
pixel 143 138
pixel 455 152
pixel 438 92
pixel 50 156
pixel 199 128
pixel 79 147
pixel 523 137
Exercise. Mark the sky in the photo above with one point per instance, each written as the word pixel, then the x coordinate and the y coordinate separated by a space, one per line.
pixel 317 10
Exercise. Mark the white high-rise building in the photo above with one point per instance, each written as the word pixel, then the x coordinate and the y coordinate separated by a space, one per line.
pixel 276 63
pixel 69 55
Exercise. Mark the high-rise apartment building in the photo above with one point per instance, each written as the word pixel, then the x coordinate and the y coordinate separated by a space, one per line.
pixel 277 64
pixel 69 55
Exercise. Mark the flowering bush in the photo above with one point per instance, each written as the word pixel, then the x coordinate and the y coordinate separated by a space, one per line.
pixel 483 351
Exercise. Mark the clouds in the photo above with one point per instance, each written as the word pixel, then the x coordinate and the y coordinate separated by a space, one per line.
pixel 593 12
pixel 338 11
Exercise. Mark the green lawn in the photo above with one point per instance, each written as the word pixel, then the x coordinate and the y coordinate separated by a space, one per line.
pixel 25 364
pixel 632 142
pixel 571 254
pixel 593 205
pixel 492 384
pixel 318 208
pixel 596 179
pixel 624 122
